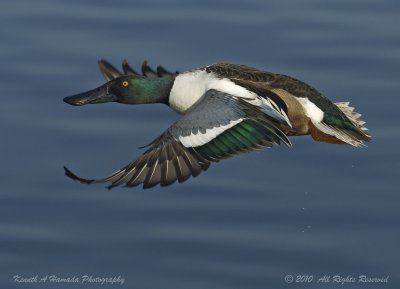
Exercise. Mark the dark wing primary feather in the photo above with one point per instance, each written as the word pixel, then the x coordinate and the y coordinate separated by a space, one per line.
pixel 110 72
pixel 148 71
pixel 219 126
pixel 165 162
pixel 128 69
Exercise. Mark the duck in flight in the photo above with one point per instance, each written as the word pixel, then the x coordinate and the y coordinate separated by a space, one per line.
pixel 226 109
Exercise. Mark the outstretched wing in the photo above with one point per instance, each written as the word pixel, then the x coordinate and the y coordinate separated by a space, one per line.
pixel 219 126
pixel 110 72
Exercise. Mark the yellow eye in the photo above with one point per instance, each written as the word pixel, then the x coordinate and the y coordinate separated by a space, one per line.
pixel 125 83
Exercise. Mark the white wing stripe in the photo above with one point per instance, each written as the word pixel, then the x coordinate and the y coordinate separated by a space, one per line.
pixel 194 140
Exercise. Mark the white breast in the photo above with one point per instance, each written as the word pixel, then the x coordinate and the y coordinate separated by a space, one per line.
pixel 189 87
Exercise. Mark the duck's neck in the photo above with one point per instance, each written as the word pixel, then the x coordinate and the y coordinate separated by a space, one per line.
pixel 150 90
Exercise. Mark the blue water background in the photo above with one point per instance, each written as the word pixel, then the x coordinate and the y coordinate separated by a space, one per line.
pixel 313 209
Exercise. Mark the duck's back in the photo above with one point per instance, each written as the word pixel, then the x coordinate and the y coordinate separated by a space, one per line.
pixel 308 110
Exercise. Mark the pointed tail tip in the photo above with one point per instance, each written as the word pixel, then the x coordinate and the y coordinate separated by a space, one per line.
pixel 74 177
pixel 102 62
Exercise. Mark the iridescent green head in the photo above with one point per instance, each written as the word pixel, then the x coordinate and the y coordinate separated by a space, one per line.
pixel 129 89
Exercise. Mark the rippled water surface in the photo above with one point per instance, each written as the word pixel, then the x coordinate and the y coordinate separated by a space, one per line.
pixel 314 209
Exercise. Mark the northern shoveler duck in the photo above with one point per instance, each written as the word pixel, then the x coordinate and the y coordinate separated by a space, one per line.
pixel 226 109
